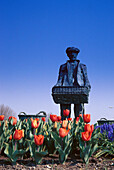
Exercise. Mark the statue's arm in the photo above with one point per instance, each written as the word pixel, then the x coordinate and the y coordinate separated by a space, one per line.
pixel 60 77
pixel 86 81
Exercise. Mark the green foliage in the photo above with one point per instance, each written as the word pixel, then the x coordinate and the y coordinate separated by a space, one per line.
pixel 63 146
pixel 88 148
pixel 37 152
pixel 12 151
pixel 52 141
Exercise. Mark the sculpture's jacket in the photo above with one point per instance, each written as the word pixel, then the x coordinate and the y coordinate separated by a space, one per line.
pixel 78 77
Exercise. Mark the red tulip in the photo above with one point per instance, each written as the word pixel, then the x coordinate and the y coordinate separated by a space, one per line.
pixel 63 132
pixel 92 128
pixel 80 115
pixel 43 119
pixel 1 117
pixel 86 118
pixel 66 112
pixel 53 118
pixel 58 118
pixel 89 128
pixel 77 119
pixel 61 122
pixel 14 120
pixel 86 136
pixel 37 119
pixel 35 124
pixel 70 119
pixel 18 134
pixel 38 139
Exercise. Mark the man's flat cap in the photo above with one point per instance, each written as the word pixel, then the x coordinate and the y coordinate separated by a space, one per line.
pixel 72 49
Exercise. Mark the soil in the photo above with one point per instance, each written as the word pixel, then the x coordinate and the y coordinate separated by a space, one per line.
pixel 52 163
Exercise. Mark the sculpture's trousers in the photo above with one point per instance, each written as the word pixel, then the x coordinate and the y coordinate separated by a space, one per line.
pixel 78 109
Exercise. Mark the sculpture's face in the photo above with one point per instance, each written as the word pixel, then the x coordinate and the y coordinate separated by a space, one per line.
pixel 72 56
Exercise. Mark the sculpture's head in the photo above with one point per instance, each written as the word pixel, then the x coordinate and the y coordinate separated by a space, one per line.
pixel 72 53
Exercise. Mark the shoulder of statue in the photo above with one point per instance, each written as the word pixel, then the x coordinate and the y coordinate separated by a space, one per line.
pixel 63 66
pixel 82 65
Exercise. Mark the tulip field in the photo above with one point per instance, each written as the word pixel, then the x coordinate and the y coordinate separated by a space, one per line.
pixel 38 138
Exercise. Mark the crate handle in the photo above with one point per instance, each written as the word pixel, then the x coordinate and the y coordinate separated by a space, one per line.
pixel 41 112
pixel 103 119
pixel 22 112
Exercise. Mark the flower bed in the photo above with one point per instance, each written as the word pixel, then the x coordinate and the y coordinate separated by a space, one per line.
pixel 37 139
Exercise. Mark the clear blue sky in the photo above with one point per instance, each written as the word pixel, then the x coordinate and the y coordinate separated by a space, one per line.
pixel 33 38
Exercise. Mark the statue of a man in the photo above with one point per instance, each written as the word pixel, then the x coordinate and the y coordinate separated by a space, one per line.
pixel 73 74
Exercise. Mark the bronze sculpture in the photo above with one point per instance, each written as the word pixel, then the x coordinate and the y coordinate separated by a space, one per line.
pixel 73 85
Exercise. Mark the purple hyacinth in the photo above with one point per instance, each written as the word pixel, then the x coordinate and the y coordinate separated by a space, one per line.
pixel 108 130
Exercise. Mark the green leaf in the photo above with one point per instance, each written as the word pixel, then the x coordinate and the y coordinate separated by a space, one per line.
pixel 95 147
pixel 56 138
pixel 38 156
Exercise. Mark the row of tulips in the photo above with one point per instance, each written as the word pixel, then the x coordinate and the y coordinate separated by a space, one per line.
pixel 39 138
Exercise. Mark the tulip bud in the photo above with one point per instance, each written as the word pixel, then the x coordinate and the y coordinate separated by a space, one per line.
pixel 6 123
pixel 10 138
pixel 55 125
pixel 77 119
pixel 22 132
pixel 64 124
pixel 44 124
pixel 69 126
pixel 46 133
pixel 43 119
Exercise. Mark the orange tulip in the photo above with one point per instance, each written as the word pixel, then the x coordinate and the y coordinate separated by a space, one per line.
pixel 86 136
pixel 10 138
pixel 14 120
pixel 58 118
pixel 1 117
pixel 53 118
pixel 43 119
pixel 80 115
pixel 86 118
pixel 66 112
pixel 35 124
pixel 38 139
pixel 18 134
pixel 64 124
pixel 63 132
pixel 89 128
